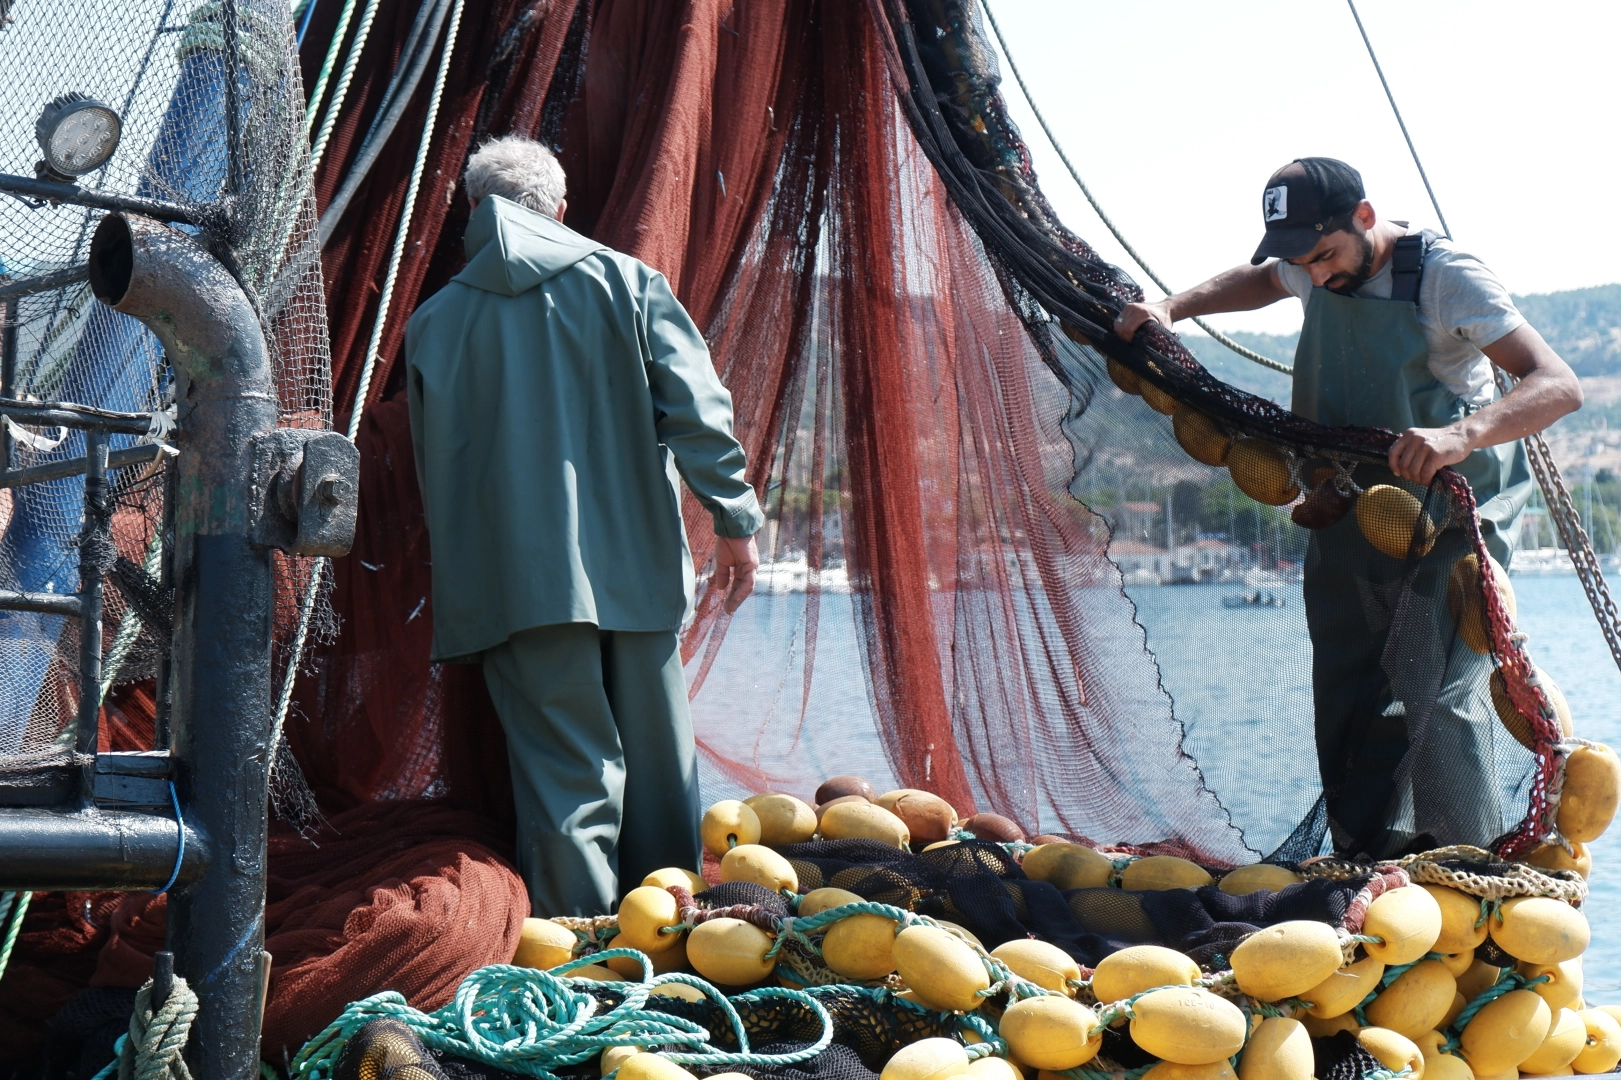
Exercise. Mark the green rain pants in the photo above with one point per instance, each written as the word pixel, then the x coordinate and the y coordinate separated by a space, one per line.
pixel 604 773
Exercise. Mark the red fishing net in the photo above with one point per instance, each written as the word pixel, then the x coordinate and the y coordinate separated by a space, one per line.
pixel 969 521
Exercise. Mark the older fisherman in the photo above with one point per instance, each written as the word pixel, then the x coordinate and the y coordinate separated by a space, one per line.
pixel 1401 332
pixel 556 389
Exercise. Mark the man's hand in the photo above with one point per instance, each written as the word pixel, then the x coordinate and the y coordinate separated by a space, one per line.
pixel 1135 315
pixel 1421 452
pixel 735 563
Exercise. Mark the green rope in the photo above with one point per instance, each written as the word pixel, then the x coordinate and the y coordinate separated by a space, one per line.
pixel 533 1022
pixel 15 904
pixel 345 77
pixel 332 50
pixel 1508 980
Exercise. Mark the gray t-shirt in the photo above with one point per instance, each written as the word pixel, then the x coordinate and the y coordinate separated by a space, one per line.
pixel 1462 307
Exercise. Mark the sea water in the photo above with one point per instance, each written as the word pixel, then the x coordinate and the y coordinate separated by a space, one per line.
pixel 1264 771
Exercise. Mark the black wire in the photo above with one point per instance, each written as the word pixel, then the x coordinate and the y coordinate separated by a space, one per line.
pixel 1399 121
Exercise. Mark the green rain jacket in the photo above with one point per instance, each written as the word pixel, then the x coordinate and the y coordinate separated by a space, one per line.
pixel 556 388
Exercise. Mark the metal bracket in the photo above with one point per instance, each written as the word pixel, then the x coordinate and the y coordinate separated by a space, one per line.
pixel 133 779
pixel 305 491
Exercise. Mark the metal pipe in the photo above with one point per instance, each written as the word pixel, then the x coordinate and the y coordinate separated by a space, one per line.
pixel 88 850
pixel 220 719
pixel 144 454
pixel 28 286
pixel 46 603
pixel 67 414
pixel 91 542
pixel 104 200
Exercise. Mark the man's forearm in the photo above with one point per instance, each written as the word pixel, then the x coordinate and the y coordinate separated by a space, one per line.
pixel 1243 288
pixel 1534 404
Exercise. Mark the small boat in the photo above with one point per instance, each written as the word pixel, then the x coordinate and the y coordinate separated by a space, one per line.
pixel 1254 599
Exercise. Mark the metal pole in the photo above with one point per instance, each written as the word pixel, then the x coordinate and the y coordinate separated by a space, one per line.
pixel 8 369
pixel 220 679
pixel 91 538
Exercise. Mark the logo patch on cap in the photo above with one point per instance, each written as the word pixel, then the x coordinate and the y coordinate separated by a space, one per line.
pixel 1275 203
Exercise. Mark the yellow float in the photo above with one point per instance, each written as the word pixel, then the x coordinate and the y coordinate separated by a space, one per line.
pixel 1460 914
pixel 1389 516
pixel 783 818
pixel 1261 471
pixel 1539 930
pixel 1278 1049
pixel 1407 922
pixel 1563 987
pixel 1591 789
pixel 730 952
pixel 864 821
pixel 860 947
pixel 1197 434
pixel 1157 399
pixel 1170 1070
pixel 1286 960
pixel 1123 377
pixel 652 1067
pixel 674 875
pixel 819 900
pixel 761 865
pixel 1567 1037
pixel 544 944
pixel 1467 603
pixel 613 1057
pixel 1416 1002
pixel 1048 966
pixel 1603 1050
pixel 1130 971
pixel 1394 1051
pixel 1256 877
pixel 1159 872
pixel 644 914
pixel 940 968
pixel 727 824
pixel 993 1068
pixel 1068 866
pixel 1189 1026
pixel 1555 857
pixel 927 1059
pixel 929 819
pixel 1345 989
pixel 1516 724
pixel 1050 1032
pixel 1505 1032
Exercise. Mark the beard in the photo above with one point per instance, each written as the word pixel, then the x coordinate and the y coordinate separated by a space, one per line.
pixel 1347 284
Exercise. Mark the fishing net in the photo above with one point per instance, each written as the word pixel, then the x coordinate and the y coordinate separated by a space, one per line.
pixel 980 505
pixel 174 73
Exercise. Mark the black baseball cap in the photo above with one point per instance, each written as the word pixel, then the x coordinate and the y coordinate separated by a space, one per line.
pixel 1298 202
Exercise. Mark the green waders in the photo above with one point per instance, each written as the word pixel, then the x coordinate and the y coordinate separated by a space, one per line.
pixel 604 776
pixel 1404 721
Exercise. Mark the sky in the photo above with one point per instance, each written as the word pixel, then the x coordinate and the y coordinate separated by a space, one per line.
pixel 1176 111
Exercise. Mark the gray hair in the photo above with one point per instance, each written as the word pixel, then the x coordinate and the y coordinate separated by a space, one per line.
pixel 518 169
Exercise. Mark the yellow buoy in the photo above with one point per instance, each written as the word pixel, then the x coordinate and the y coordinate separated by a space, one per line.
pixel 684 991
pixel 1286 960
pixel 730 952
pixel 1603 1050
pixel 783 818
pixel 1455 1010
pixel 1416 1002
pixel 1516 724
pixel 1102 911
pixel 643 914
pixel 992 1067
pixel 940 968
pixel 1345 989
pixel 1554 857
pixel 1140 967
pixel 1458 963
pixel 1466 600
pixel 1563 987
pixel 819 900
pixel 651 1067
pixel 761 865
pixel 1261 471
pixel 1592 787
pixel 962 932
pixel 864 821
pixel 1157 399
pixel 1170 1070
pixel 596 973
pixel 929 818
pixel 1160 872
pixel 1068 866
pixel 1200 437
pixel 614 1056
pixel 860 947
pixel 1279 1049
pixel 674 875
pixel 1388 516
pixel 1325 1027
pixel 1567 1037
pixel 1480 976
pixel 673 958
pixel 1446 1067
pixel 1256 877
pixel 1540 930
pixel 1124 377
pixel 1407 922
pixel 1048 966
pixel 927 1059
pixel 1393 1050
pixel 544 944
pixel 1459 914
pixel 1506 1031
pixel 1050 1032
pixel 727 824
pixel 1191 1026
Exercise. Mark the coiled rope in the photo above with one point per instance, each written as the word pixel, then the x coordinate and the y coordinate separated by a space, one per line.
pixel 1018 77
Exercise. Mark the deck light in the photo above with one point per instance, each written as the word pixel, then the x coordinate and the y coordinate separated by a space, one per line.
pixel 78 134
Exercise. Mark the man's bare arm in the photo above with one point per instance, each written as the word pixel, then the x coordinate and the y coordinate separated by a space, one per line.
pixel 1547 390
pixel 1243 288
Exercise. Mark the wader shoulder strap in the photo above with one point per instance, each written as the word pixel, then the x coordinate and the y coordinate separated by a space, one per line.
pixel 1407 266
